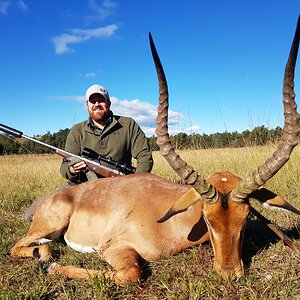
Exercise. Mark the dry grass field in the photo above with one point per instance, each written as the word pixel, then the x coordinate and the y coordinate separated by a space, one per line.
pixel 272 270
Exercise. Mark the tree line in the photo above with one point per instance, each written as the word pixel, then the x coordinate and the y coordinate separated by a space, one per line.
pixel 258 136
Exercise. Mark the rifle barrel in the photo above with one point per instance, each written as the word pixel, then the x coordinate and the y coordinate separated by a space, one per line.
pixel 10 130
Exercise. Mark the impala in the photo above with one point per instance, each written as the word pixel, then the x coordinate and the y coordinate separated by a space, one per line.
pixel 137 216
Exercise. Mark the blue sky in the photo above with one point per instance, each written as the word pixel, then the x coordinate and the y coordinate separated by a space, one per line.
pixel 224 61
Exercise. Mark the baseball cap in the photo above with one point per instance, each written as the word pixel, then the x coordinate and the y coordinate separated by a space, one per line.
pixel 96 89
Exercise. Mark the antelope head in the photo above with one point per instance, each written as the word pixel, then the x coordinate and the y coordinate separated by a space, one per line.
pixel 224 196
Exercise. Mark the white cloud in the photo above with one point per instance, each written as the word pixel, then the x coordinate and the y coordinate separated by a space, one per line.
pixel 150 131
pixel 63 41
pixel 192 129
pixel 90 75
pixel 22 6
pixel 4 7
pixel 143 113
pixel 101 11
pixel 68 98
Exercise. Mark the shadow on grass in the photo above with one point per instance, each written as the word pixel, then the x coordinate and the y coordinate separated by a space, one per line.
pixel 145 266
pixel 259 237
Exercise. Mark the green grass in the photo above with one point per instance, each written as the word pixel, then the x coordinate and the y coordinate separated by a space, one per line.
pixel 272 270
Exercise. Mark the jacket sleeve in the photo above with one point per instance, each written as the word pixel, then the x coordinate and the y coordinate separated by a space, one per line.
pixel 141 150
pixel 73 146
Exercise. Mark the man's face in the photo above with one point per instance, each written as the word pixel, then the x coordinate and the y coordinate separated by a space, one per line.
pixel 98 107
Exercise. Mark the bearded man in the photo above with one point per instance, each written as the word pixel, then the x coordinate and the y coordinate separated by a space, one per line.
pixel 107 134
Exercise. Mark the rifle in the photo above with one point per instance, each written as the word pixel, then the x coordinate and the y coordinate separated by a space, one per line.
pixel 121 168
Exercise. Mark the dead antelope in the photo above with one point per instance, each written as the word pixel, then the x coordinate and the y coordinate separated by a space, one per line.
pixel 117 217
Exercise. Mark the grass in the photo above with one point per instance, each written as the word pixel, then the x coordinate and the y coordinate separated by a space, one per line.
pixel 272 270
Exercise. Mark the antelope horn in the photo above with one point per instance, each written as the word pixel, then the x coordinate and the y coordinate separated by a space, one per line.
pixel 290 132
pixel 185 171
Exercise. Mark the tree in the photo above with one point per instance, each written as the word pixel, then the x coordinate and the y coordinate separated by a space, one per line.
pixel 260 135
pixel 8 145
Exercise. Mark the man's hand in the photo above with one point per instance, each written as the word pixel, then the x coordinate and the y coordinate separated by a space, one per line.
pixel 78 167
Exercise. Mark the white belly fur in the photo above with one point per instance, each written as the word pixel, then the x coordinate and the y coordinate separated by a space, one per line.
pixel 80 248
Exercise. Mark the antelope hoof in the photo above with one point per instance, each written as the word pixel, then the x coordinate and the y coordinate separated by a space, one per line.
pixel 36 253
pixel 52 268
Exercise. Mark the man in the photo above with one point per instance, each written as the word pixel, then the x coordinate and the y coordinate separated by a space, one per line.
pixel 107 134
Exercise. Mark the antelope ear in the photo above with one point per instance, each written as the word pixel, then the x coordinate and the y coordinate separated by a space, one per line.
pixel 182 204
pixel 272 201
pixel 280 203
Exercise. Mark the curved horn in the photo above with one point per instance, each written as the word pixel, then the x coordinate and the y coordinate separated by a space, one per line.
pixel 185 171
pixel 290 132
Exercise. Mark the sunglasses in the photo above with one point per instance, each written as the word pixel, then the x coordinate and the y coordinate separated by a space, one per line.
pixel 94 101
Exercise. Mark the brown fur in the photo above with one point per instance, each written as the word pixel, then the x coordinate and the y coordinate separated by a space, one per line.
pixel 118 216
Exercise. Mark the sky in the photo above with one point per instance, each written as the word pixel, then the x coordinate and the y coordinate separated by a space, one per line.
pixel 224 61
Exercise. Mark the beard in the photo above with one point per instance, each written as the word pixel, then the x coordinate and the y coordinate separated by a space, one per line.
pixel 99 115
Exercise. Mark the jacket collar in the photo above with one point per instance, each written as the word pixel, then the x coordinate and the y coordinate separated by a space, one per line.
pixel 110 123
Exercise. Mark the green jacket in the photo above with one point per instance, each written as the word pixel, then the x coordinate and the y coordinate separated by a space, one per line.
pixel 121 140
